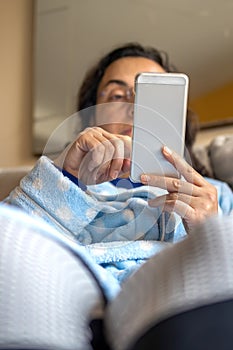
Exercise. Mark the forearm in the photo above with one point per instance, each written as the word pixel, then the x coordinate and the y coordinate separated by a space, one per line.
pixel 46 192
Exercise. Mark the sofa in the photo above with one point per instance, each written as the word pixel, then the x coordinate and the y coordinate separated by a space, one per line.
pixel 10 178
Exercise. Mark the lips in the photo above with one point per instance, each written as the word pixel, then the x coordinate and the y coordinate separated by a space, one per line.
pixel 127 132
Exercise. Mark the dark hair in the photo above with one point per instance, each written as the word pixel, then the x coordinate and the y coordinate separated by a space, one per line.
pixel 88 91
pixel 192 128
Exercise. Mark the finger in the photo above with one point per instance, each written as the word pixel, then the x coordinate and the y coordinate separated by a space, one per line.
pixel 107 148
pixel 87 141
pixel 117 159
pixel 91 138
pixel 183 167
pixel 102 152
pixel 127 146
pixel 97 175
pixel 121 157
pixel 96 157
pixel 172 204
pixel 170 184
pixel 107 154
pixel 126 166
pixel 173 197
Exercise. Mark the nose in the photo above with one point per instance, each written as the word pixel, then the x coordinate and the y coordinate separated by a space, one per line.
pixel 131 97
pixel 130 110
pixel 130 94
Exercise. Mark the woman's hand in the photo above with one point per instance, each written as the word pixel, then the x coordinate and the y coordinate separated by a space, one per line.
pixel 193 199
pixel 96 156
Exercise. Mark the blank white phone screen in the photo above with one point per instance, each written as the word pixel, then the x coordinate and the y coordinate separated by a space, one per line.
pixel 159 119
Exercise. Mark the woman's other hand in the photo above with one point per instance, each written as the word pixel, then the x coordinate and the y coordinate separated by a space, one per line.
pixel 193 199
pixel 96 156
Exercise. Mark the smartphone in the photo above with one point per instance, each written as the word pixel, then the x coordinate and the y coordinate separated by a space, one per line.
pixel 160 110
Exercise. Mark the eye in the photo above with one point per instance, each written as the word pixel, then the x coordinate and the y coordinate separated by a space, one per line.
pixel 117 97
pixel 117 94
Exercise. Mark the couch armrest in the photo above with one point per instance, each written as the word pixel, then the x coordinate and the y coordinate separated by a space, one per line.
pixel 217 157
pixel 10 178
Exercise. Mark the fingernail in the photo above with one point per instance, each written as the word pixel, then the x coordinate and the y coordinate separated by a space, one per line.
pixel 145 178
pixel 167 150
pixel 114 174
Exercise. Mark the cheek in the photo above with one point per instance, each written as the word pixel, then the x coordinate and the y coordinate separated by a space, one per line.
pixel 105 114
pixel 113 128
pixel 113 113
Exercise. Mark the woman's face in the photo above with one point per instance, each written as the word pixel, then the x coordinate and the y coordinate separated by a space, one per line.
pixel 115 95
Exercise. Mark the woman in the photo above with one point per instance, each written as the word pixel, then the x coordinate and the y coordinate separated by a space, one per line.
pixel 112 80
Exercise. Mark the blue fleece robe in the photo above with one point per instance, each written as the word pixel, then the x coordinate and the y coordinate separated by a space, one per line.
pixel 115 227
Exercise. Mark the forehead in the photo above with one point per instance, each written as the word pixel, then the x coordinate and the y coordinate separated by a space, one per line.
pixel 127 68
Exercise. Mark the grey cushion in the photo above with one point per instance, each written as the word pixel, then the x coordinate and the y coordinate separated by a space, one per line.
pixel 193 273
pixel 221 158
pixel 217 157
pixel 47 295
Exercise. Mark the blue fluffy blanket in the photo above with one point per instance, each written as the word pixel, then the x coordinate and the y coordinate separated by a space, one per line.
pixel 113 228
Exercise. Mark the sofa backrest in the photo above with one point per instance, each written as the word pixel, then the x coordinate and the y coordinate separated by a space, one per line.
pixel 10 178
